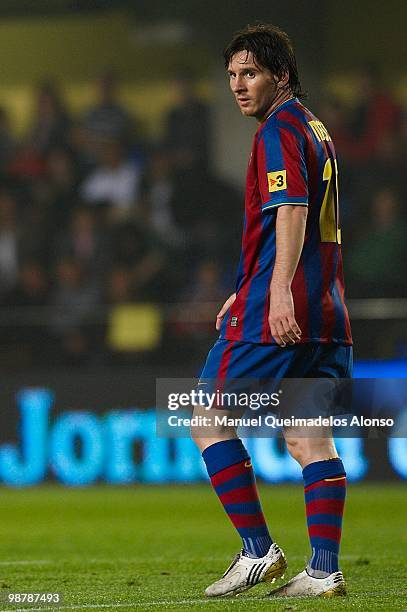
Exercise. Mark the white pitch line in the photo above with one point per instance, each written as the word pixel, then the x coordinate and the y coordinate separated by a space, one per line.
pixel 211 558
pixel 26 562
pixel 158 558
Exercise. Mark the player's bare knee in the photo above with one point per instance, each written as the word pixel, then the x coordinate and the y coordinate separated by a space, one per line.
pixel 200 442
pixel 205 431
pixel 297 449
pixel 301 449
pixel 203 441
pixel 309 450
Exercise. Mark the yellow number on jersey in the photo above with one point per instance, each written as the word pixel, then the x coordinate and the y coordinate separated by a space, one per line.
pixel 329 215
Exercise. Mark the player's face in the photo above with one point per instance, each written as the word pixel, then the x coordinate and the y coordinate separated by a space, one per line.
pixel 254 87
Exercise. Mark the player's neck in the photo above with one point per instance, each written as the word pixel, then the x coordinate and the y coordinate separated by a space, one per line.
pixel 281 98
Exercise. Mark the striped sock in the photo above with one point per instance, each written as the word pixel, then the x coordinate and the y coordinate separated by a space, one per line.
pixel 325 489
pixel 232 477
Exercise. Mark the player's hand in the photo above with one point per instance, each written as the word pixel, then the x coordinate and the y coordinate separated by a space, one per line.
pixel 224 309
pixel 283 326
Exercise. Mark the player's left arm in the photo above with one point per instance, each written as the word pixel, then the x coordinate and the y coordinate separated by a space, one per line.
pixel 283 182
pixel 290 232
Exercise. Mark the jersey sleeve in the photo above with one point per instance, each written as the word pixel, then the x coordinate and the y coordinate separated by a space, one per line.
pixel 281 167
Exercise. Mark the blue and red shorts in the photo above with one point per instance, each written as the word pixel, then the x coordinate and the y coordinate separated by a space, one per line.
pixel 233 360
pixel 244 367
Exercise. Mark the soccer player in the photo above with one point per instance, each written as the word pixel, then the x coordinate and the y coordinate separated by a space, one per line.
pixel 287 317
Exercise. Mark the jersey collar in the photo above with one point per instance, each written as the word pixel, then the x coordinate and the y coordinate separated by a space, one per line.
pixel 280 106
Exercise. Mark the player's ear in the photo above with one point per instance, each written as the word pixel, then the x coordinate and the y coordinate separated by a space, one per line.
pixel 283 80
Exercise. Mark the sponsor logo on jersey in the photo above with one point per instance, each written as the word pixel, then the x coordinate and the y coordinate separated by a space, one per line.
pixel 277 180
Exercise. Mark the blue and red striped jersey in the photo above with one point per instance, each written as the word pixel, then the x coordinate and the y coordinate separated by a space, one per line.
pixel 292 162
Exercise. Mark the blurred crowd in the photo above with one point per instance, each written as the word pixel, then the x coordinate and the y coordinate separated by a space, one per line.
pixel 370 141
pixel 94 215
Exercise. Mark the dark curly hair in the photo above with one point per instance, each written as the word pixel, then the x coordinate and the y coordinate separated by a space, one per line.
pixel 271 48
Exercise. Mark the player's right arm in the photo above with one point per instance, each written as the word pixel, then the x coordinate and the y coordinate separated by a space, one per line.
pixel 290 232
pixel 221 314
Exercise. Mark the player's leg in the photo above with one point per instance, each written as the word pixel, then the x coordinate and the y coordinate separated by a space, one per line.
pixel 226 459
pixel 231 472
pixel 325 490
pixel 232 476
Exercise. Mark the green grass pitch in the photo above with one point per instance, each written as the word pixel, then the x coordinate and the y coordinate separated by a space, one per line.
pixel 157 548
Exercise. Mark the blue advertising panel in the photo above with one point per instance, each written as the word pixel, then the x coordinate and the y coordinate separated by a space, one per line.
pixel 83 429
